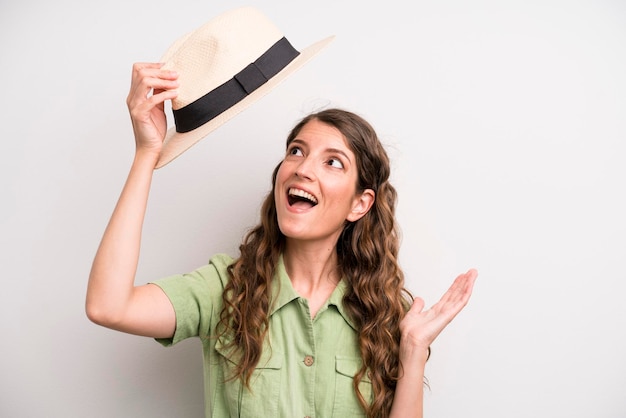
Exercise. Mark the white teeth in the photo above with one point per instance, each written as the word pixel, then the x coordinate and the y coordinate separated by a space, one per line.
pixel 303 194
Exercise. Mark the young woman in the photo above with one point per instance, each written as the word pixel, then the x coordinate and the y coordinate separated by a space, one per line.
pixel 312 318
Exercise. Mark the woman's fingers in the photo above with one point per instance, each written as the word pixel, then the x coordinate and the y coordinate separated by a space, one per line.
pixel 138 74
pixel 418 305
pixel 459 292
pixel 148 78
pixel 142 108
pixel 456 297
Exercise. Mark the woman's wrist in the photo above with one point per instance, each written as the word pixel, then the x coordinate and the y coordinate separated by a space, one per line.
pixel 147 156
pixel 414 353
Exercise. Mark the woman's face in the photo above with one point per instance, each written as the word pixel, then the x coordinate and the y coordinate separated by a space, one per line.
pixel 315 190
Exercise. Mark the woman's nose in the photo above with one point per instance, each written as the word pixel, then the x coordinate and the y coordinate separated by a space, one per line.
pixel 305 170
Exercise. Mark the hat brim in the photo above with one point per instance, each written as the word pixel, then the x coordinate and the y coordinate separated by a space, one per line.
pixel 176 143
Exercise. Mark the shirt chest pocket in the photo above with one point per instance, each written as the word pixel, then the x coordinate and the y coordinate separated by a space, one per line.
pixel 346 401
pixel 263 396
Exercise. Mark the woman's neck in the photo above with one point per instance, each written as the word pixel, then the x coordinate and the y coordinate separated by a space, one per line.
pixel 313 271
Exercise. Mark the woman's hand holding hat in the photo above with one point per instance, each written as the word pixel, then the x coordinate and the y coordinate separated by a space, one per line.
pixel 150 88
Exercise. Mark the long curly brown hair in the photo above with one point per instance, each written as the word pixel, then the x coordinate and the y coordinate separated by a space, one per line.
pixel 367 253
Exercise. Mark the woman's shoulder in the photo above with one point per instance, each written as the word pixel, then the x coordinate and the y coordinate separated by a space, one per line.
pixel 218 266
pixel 221 261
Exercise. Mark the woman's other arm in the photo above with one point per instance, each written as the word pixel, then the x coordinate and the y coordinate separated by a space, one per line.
pixel 419 329
pixel 113 300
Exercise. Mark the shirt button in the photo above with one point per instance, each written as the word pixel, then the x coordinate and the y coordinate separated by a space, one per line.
pixel 308 360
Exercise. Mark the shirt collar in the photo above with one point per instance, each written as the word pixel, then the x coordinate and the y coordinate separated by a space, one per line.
pixel 283 293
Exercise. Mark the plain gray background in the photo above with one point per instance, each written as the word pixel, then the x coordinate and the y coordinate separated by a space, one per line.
pixel 505 121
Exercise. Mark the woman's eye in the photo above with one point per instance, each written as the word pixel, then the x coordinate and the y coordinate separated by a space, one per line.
pixel 295 151
pixel 335 162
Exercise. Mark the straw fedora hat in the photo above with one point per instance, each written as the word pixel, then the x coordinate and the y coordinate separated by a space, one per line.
pixel 224 66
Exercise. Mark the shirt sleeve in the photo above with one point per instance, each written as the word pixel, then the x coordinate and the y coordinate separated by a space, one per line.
pixel 196 298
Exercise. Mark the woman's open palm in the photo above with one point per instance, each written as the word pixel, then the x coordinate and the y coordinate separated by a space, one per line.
pixel 420 327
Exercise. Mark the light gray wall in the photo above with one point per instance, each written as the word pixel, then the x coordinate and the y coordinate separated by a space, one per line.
pixel 506 125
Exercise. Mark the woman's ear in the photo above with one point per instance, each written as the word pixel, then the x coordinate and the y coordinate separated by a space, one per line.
pixel 362 204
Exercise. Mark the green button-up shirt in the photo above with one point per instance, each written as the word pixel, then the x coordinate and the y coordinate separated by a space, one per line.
pixel 306 368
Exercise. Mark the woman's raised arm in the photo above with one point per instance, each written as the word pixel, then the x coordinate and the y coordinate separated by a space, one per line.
pixel 113 300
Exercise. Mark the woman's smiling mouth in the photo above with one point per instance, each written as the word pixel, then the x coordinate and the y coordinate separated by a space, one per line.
pixel 300 198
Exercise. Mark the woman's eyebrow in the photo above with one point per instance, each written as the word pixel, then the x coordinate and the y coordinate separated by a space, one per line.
pixel 338 151
pixel 298 141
